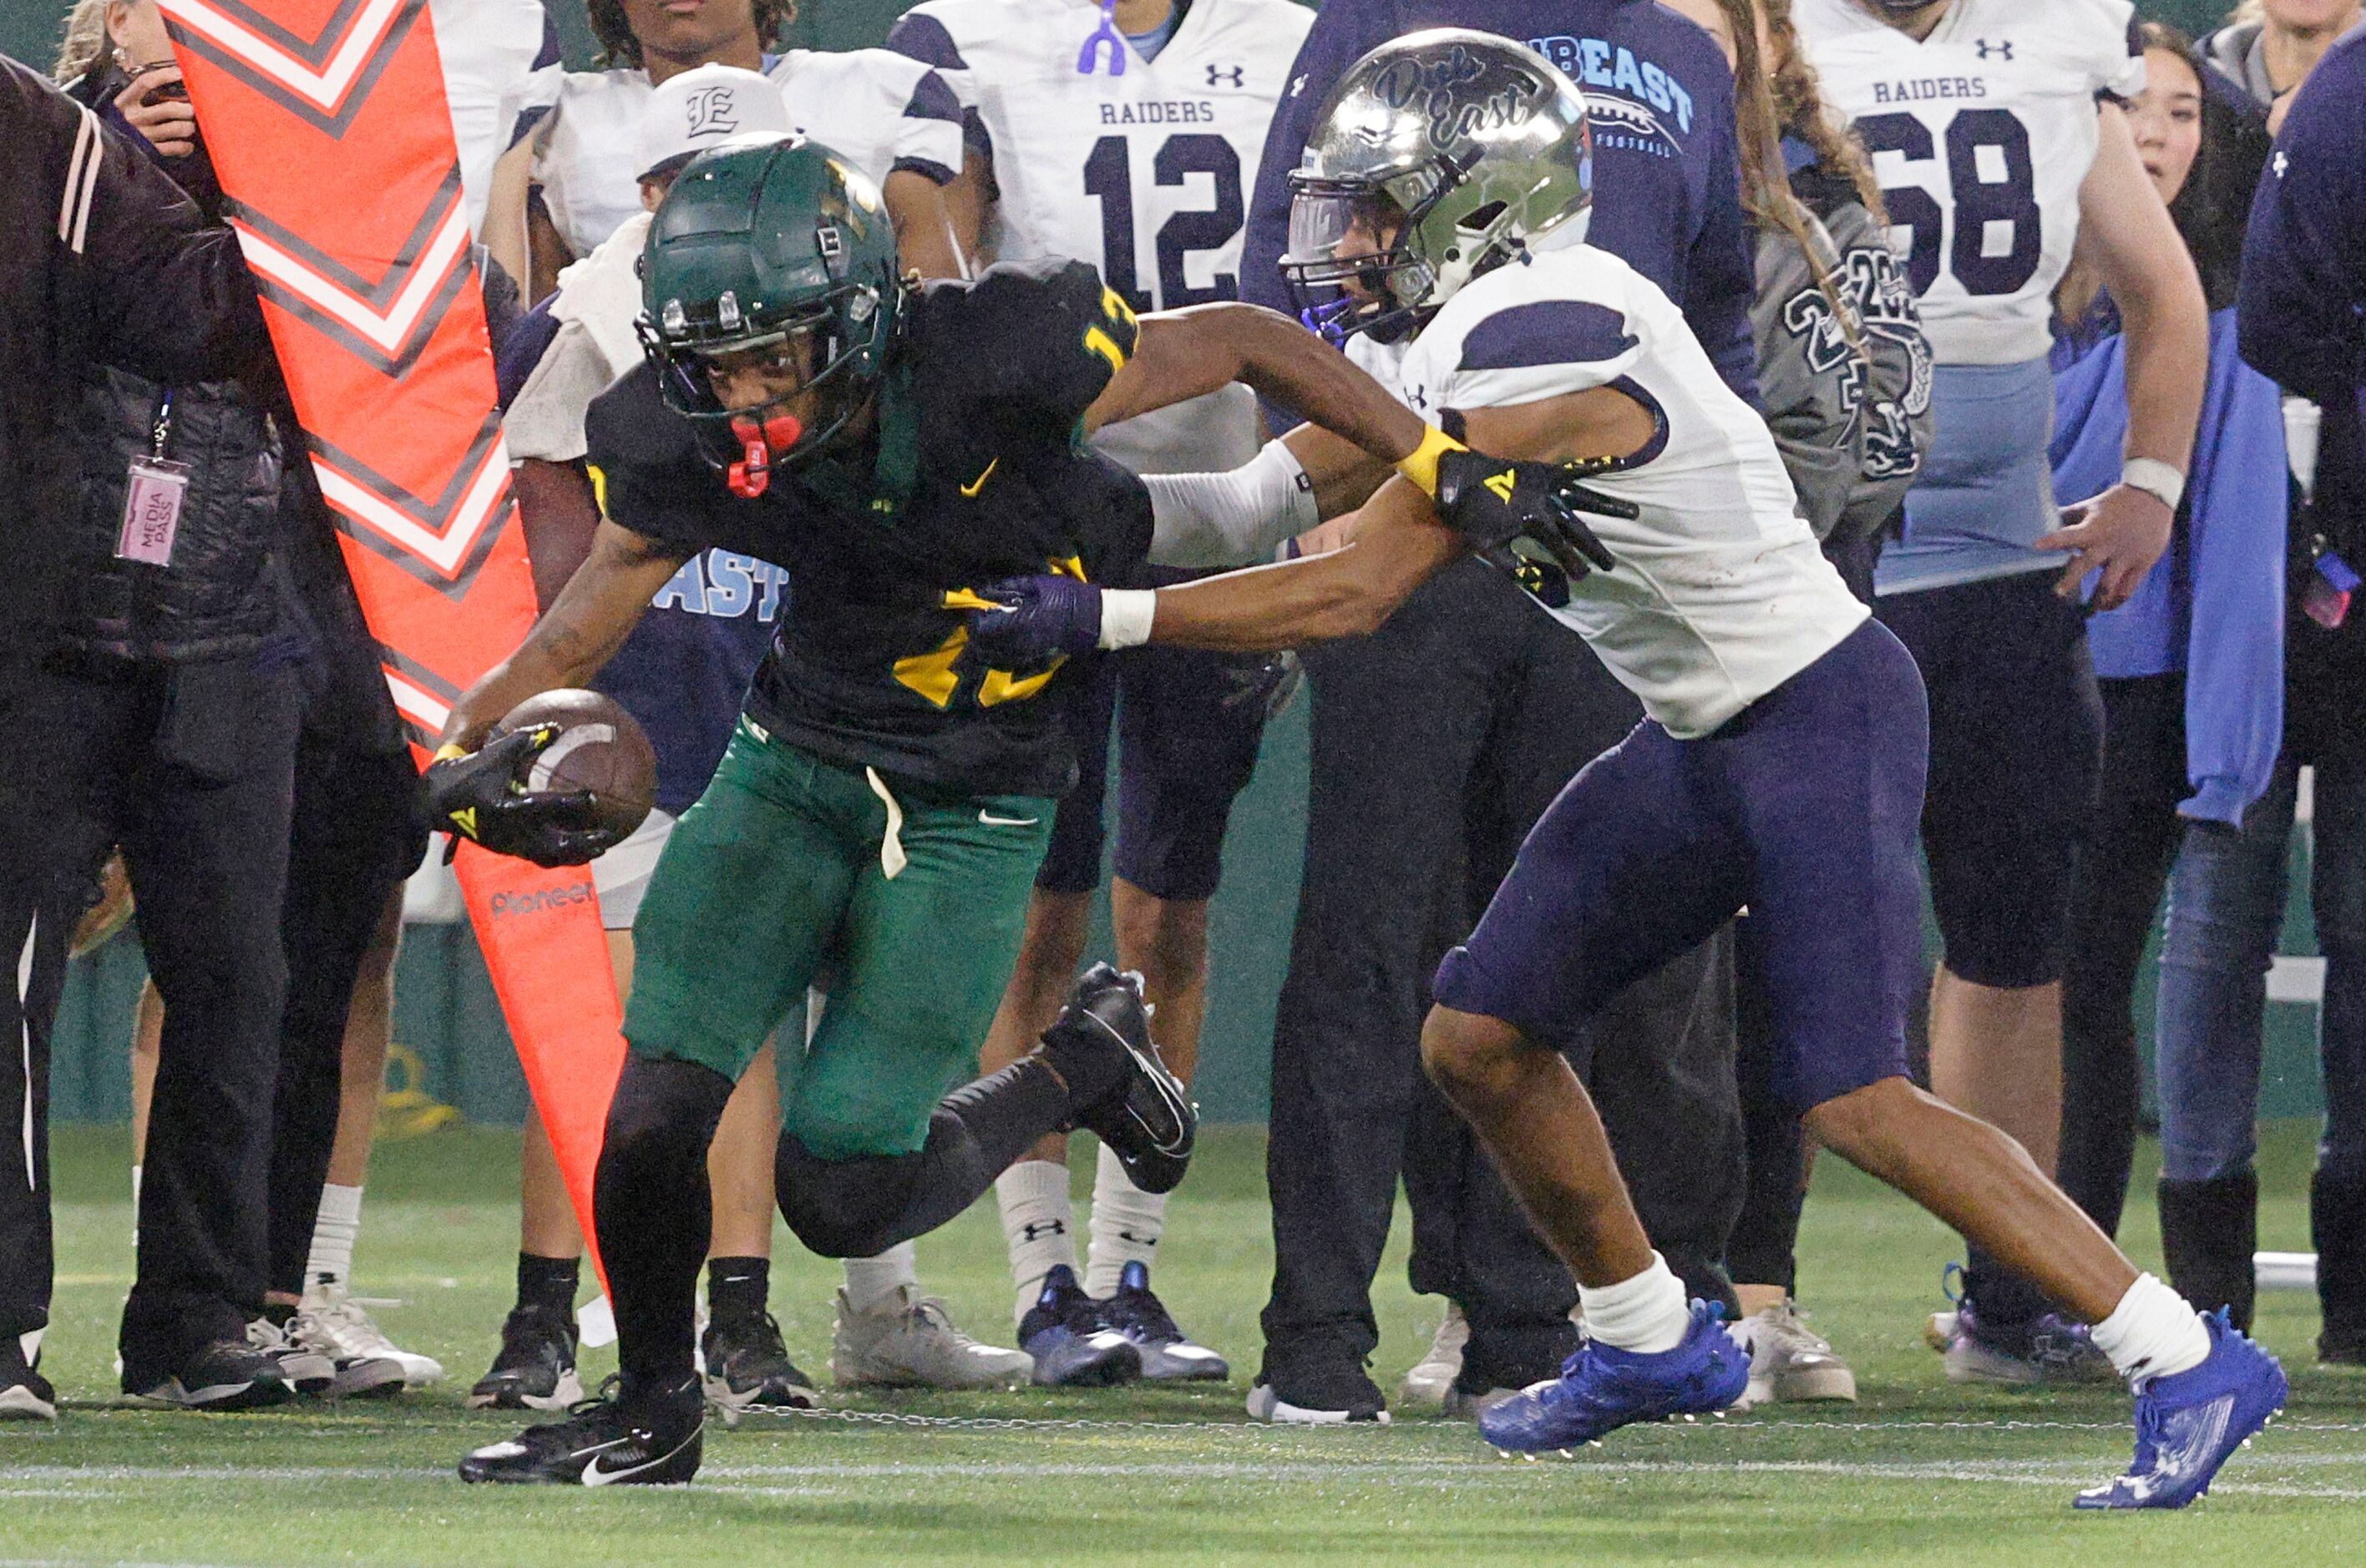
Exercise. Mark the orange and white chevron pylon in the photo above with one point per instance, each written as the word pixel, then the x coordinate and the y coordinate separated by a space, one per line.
pixel 327 123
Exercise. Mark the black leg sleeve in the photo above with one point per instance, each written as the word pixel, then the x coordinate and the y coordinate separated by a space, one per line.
pixel 653 1211
pixel 1763 1249
pixel 33 943
pixel 861 1207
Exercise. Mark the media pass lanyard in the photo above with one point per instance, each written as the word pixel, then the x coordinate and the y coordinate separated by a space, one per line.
pixel 151 500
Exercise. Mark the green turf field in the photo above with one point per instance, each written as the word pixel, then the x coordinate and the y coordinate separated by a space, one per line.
pixel 1917 1472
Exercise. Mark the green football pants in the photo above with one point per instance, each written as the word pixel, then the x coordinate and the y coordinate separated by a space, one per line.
pixel 911 900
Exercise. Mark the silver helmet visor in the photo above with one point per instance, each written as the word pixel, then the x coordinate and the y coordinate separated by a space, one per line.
pixel 1325 215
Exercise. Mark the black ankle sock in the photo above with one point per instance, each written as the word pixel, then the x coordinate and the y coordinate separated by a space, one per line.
pixel 737 1287
pixel 549 1285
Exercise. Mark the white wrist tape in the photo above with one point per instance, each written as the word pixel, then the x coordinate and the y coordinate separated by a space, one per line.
pixel 1231 518
pixel 2154 479
pixel 1126 614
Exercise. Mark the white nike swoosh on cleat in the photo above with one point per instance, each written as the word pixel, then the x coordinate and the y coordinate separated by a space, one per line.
pixel 594 1475
pixel 991 819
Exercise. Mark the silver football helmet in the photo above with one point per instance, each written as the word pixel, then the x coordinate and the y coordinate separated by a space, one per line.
pixel 1436 157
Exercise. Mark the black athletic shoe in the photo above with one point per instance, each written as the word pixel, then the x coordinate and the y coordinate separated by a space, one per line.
pixel 1168 1355
pixel 536 1369
pixel 747 1368
pixel 227 1374
pixel 25 1393
pixel 1147 1119
pixel 602 1444
pixel 1317 1396
pixel 1073 1345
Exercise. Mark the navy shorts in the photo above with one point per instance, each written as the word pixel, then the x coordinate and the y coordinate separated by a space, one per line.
pixel 1803 808
pixel 2016 750
pixel 1188 724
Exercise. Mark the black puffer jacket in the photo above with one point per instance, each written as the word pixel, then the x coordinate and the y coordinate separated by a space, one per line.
pixel 218 598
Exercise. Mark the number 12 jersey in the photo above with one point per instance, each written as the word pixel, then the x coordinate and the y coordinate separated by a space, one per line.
pixel 1982 135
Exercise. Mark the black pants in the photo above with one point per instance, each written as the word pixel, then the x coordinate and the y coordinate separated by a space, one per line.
pixel 2122 874
pixel 1436 742
pixel 189 769
pixel 33 937
pixel 355 835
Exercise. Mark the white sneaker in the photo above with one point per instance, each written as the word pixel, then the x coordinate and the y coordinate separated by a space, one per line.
pixel 1432 1378
pixel 907 1340
pixel 336 1323
pixel 1789 1361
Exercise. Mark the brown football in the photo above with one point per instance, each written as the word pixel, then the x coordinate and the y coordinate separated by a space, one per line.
pixel 600 747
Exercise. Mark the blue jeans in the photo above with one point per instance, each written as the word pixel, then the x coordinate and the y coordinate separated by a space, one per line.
pixel 2225 907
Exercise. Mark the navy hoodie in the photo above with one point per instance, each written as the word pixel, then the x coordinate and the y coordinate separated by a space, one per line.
pixel 1666 179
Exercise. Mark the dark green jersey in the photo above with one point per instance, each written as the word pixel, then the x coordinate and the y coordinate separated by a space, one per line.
pixel 975 469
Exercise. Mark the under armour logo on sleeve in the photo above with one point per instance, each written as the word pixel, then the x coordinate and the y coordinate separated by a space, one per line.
pixel 2001 50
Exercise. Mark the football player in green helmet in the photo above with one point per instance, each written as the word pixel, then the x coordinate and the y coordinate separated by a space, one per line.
pixel 888 793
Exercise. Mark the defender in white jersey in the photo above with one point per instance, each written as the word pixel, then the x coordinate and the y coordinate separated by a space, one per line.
pixel 1131 143
pixel 1999 151
pixel 1780 769
pixel 568 181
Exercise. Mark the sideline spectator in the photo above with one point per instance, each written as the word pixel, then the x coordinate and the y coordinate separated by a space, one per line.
pixel 2269 47
pixel 107 263
pixel 2192 674
pixel 2303 316
pixel 1845 376
pixel 1487 709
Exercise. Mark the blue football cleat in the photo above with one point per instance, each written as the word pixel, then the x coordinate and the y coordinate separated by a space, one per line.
pixel 1072 1342
pixel 2188 1423
pixel 1601 1389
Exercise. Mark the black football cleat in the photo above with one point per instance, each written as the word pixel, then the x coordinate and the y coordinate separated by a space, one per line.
pixel 747 1368
pixel 535 1368
pixel 1145 1117
pixel 25 1393
pixel 602 1443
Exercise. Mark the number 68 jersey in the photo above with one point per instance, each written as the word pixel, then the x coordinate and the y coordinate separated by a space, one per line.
pixel 1145 174
pixel 1982 135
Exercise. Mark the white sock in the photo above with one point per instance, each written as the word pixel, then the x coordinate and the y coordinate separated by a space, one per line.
pixel 334 1231
pixel 135 1208
pixel 2153 1332
pixel 1646 1315
pixel 1038 1225
pixel 1127 1224
pixel 870 1281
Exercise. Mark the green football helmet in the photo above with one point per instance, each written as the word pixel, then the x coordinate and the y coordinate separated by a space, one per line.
pixel 763 242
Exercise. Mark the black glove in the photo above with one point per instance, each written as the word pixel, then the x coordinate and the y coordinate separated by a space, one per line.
pixel 1492 501
pixel 482 797
pixel 1268 682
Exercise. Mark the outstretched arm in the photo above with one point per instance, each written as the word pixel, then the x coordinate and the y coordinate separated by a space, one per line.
pixel 595 614
pixel 1182 354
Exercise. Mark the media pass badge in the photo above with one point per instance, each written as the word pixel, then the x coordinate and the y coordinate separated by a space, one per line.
pixel 151 511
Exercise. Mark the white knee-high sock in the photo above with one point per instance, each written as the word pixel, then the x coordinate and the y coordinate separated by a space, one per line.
pixel 330 1265
pixel 1647 1315
pixel 870 1281
pixel 1038 1225
pixel 1127 1224
pixel 2153 1332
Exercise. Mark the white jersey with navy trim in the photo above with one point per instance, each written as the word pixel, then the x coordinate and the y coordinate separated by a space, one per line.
pixel 1982 135
pixel 489 49
pixel 1720 593
pixel 880 110
pixel 1145 174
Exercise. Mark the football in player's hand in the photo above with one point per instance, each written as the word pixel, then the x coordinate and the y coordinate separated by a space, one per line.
pixel 598 748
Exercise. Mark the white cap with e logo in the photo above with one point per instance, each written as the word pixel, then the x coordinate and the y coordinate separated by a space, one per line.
pixel 704 107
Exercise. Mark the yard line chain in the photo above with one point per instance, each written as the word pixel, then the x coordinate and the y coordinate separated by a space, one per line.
pixel 1085 1424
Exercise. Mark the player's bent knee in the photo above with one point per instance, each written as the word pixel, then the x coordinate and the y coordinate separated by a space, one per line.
pixel 1865 1126
pixel 664 1109
pixel 844 1208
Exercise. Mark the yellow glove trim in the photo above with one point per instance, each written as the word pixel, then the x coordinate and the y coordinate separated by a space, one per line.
pixel 1420 465
pixel 449 750
pixel 967 599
